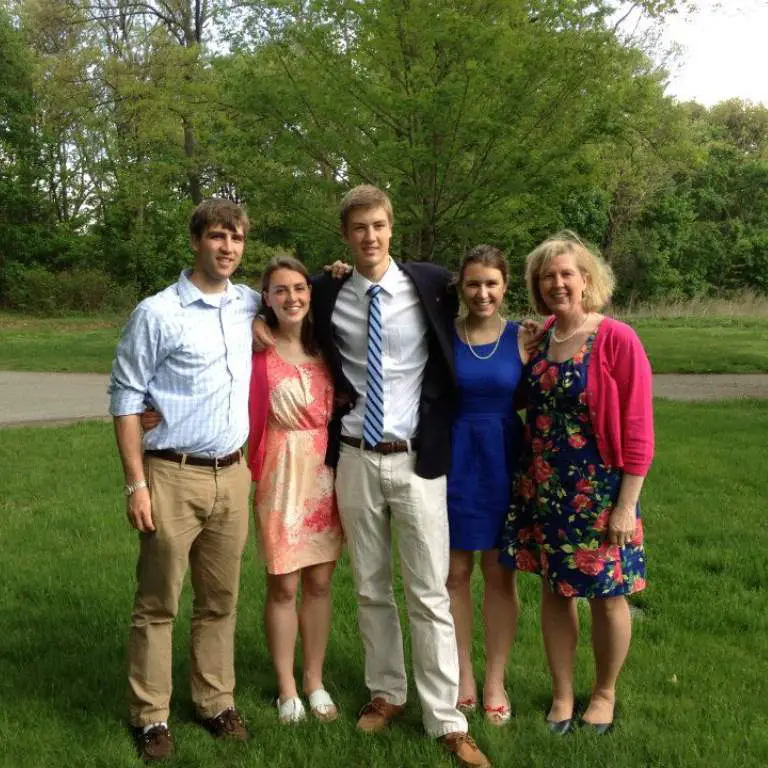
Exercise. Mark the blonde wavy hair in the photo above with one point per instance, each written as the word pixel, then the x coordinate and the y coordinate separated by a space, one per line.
pixel 598 274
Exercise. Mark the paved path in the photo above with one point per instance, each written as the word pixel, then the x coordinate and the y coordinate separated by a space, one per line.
pixel 710 386
pixel 37 399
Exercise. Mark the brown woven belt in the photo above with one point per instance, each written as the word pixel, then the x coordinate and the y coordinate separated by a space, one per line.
pixel 393 446
pixel 197 461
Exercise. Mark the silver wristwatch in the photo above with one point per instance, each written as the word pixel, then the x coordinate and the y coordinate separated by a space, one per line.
pixel 131 488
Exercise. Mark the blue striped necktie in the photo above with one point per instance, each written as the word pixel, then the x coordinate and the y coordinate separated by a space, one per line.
pixel 373 421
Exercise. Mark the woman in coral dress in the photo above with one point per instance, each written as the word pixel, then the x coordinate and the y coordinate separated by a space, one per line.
pixel 590 432
pixel 298 524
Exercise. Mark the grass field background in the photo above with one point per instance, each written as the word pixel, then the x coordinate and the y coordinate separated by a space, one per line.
pixel 681 344
pixel 704 344
pixel 694 692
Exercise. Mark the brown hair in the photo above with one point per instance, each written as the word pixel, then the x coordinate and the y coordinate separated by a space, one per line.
pixel 217 212
pixel 598 274
pixel 364 196
pixel 488 256
pixel 284 261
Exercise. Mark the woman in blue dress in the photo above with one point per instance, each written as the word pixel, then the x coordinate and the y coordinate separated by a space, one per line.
pixel 489 354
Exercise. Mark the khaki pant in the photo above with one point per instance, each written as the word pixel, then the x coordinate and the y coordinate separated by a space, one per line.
pixel 201 520
pixel 373 492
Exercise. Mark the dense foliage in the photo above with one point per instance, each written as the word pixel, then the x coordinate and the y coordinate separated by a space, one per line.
pixel 488 120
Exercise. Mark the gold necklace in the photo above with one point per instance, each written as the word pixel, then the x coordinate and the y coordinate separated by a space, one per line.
pixel 502 324
pixel 571 334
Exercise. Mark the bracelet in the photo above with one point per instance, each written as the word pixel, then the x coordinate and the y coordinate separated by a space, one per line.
pixel 131 488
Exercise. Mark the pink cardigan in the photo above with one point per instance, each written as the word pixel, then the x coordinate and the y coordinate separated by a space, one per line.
pixel 620 397
pixel 258 408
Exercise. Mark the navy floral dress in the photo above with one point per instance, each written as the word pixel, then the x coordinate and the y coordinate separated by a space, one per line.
pixel 558 523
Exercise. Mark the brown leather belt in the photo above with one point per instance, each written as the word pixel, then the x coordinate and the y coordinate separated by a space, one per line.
pixel 197 461
pixel 393 446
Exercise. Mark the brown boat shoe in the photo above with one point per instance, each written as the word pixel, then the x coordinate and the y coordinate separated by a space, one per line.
pixel 227 725
pixel 377 713
pixel 467 753
pixel 154 745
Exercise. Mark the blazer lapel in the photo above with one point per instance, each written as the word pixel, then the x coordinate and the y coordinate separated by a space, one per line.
pixel 325 292
pixel 432 297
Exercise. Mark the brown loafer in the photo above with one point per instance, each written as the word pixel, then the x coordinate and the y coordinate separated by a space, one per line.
pixel 154 745
pixel 227 725
pixel 467 753
pixel 377 713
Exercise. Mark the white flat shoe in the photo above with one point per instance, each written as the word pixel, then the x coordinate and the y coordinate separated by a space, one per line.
pixel 291 711
pixel 321 706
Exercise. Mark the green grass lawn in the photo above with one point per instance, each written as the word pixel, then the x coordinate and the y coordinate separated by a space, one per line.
pixel 84 344
pixel 705 344
pixel 676 345
pixel 694 692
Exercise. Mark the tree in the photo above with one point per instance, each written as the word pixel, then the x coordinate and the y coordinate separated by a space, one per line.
pixel 24 216
pixel 479 117
pixel 730 197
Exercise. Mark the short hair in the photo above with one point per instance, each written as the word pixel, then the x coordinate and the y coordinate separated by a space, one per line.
pixel 599 275
pixel 364 196
pixel 218 211
pixel 488 256
pixel 286 261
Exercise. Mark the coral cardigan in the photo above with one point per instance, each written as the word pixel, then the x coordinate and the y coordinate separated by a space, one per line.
pixel 620 397
pixel 258 408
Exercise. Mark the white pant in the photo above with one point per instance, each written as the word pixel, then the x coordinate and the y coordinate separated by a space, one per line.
pixel 373 491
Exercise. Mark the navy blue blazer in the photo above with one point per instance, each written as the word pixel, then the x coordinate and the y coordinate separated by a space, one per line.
pixel 438 392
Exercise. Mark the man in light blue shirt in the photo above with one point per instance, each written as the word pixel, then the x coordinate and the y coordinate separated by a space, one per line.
pixel 187 352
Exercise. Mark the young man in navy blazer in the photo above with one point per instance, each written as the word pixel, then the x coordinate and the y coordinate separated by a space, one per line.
pixel 400 480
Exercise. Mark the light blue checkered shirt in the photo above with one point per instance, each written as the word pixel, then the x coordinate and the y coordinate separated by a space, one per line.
pixel 188 354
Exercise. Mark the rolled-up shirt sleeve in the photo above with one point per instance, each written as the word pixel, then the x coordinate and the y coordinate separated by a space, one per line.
pixel 139 353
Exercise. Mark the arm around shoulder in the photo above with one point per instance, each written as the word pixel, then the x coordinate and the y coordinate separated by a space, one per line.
pixel 258 409
pixel 139 352
pixel 449 289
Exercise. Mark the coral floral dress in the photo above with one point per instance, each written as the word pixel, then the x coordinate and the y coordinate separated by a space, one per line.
pixel 559 522
pixel 295 505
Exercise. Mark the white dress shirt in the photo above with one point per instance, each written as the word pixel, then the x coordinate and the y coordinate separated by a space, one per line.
pixel 404 350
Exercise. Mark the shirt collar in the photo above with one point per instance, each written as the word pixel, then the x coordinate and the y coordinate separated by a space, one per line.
pixel 388 280
pixel 190 293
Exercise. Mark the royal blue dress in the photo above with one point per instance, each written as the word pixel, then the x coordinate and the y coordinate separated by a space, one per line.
pixel 486 441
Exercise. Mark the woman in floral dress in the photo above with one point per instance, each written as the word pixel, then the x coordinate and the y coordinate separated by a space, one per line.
pixel 299 528
pixel 590 433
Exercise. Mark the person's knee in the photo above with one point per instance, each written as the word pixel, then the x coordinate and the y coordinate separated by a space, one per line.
pixel 156 600
pixel 375 587
pixel 499 579
pixel 555 601
pixel 459 573
pixel 152 612
pixel 316 586
pixel 279 591
pixel 609 607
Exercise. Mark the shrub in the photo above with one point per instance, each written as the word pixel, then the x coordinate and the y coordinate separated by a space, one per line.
pixel 38 291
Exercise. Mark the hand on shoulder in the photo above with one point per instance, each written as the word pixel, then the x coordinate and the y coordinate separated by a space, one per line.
pixel 262 335
pixel 338 270
pixel 529 335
